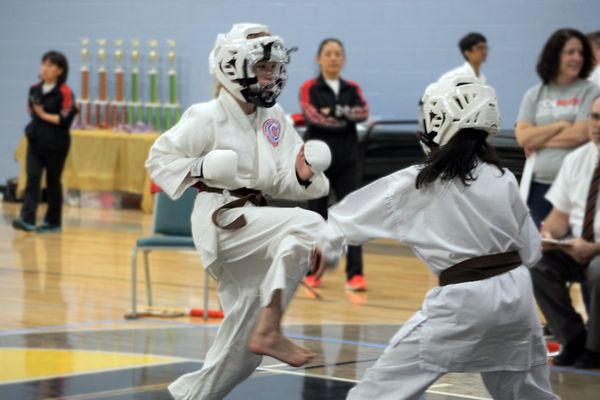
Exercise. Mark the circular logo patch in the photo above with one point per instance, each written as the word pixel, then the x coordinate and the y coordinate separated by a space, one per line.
pixel 272 130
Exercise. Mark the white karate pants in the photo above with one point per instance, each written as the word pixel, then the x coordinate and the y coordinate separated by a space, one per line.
pixel 397 376
pixel 271 252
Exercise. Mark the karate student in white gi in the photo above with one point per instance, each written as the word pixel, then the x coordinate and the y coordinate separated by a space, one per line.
pixel 235 149
pixel 462 215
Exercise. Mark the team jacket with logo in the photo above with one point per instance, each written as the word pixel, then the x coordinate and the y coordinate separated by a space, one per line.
pixel 45 136
pixel 321 108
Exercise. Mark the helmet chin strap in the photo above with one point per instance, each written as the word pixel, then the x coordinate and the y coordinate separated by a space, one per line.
pixel 263 96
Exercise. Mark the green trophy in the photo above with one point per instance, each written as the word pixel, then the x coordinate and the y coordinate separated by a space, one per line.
pixel 153 117
pixel 172 108
pixel 134 107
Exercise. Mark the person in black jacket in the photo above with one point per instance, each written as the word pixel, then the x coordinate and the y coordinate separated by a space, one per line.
pixel 52 109
pixel 332 107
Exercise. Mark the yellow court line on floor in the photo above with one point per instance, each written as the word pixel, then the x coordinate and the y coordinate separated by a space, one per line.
pixel 28 364
pixel 117 392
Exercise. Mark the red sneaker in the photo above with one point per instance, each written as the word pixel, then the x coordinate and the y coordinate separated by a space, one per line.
pixel 312 282
pixel 357 283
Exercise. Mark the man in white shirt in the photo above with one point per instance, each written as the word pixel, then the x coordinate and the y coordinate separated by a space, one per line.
pixel 474 49
pixel 594 39
pixel 576 259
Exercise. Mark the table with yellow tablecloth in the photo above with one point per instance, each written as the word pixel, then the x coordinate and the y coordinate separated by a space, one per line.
pixel 102 160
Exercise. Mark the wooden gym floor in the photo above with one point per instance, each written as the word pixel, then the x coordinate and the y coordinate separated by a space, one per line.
pixel 63 335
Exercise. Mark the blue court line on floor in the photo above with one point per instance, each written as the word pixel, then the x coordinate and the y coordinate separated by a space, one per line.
pixel 292 336
pixel 575 371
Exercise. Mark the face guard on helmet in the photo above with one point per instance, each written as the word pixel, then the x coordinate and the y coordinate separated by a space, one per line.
pixel 234 58
pixel 453 104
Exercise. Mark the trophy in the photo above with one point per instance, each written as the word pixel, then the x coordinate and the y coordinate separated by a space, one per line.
pixel 172 108
pixel 117 114
pixel 153 105
pixel 101 104
pixel 85 111
pixel 134 107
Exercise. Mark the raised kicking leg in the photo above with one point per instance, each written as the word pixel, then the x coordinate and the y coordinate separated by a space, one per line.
pixel 267 339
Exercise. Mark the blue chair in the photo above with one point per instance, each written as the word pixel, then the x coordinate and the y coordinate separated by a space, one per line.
pixel 171 230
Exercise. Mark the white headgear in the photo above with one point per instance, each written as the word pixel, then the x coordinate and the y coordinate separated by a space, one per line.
pixel 234 56
pixel 457 103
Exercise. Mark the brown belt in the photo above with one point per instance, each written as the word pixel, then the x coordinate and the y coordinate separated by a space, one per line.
pixel 478 268
pixel 243 195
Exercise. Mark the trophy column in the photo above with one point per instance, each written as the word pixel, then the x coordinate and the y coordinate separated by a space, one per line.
pixel 134 107
pixel 84 115
pixel 172 108
pixel 101 104
pixel 118 112
pixel 153 117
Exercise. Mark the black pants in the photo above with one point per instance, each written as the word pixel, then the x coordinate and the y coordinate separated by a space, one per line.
pixel 342 181
pixel 550 277
pixel 539 207
pixel 53 163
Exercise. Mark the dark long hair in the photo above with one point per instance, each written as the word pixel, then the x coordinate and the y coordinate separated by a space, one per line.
pixel 458 158
pixel 57 58
pixel 548 64
pixel 328 40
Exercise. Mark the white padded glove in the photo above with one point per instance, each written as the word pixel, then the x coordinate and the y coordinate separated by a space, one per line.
pixel 317 155
pixel 220 166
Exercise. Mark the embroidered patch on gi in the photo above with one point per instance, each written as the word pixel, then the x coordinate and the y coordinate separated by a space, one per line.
pixel 272 130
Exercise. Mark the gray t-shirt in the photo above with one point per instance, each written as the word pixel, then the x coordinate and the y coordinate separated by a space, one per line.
pixel 544 104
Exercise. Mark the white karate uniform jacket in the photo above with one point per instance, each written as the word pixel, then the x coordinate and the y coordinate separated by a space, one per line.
pixel 266 151
pixel 488 325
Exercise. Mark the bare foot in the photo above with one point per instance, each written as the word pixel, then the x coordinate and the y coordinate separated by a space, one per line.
pixel 275 345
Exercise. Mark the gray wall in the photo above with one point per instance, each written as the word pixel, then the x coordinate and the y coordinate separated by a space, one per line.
pixel 394 48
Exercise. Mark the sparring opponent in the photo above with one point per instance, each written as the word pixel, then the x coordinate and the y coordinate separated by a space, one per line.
pixel 462 215
pixel 235 149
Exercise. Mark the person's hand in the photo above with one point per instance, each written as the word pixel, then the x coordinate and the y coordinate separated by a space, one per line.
pixel 563 124
pixel 546 235
pixel 581 250
pixel 220 166
pixel 302 168
pixel 529 151
pixel 318 263
pixel 38 109
pixel 317 155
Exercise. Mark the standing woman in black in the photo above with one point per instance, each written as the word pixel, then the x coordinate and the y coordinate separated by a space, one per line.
pixel 52 109
pixel 332 107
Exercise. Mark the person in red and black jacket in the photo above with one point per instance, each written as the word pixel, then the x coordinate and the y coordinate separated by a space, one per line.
pixel 332 107
pixel 52 109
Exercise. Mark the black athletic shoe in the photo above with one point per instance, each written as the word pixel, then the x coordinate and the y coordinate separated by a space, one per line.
pixel 588 360
pixel 22 225
pixel 571 351
pixel 47 228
